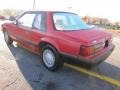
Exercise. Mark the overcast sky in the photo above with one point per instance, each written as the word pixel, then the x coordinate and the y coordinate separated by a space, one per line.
pixel 101 8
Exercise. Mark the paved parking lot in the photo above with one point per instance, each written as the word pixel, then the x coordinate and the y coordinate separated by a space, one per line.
pixel 23 70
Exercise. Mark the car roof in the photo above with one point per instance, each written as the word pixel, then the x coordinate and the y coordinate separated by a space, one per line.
pixel 47 12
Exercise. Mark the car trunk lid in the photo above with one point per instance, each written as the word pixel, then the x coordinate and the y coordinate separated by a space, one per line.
pixel 88 37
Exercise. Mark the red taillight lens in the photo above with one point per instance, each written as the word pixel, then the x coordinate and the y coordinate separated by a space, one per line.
pixel 86 50
pixel 89 50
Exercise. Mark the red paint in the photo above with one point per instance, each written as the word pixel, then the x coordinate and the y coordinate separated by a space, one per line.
pixel 64 42
pixel 2 17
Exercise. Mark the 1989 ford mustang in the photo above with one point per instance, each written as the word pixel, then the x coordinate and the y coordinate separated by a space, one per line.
pixel 54 34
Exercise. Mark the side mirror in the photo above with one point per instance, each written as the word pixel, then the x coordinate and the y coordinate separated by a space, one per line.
pixel 15 22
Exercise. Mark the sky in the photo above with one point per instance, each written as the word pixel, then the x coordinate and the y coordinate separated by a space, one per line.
pixel 99 8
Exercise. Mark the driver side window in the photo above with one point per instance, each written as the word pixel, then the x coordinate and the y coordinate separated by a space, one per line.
pixel 26 20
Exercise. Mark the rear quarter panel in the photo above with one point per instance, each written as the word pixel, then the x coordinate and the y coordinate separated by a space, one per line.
pixel 64 44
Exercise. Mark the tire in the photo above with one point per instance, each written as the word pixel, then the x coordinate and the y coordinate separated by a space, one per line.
pixel 50 58
pixel 7 38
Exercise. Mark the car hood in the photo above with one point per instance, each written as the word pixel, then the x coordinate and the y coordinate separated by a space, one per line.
pixel 88 36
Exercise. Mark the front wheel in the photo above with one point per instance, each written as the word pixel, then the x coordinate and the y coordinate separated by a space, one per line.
pixel 7 38
pixel 50 58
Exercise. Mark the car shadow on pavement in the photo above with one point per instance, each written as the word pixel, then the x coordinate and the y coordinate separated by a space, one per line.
pixel 39 78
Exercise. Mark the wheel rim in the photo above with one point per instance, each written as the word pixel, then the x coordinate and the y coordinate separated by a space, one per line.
pixel 6 36
pixel 48 58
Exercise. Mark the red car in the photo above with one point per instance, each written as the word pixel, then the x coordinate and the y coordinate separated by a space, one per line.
pixel 2 17
pixel 54 35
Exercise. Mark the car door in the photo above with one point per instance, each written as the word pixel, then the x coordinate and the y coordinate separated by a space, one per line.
pixel 39 28
pixel 24 27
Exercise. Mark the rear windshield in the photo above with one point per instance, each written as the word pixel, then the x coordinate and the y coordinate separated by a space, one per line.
pixel 68 21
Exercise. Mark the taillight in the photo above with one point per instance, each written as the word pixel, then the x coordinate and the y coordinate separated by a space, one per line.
pixel 86 50
pixel 90 50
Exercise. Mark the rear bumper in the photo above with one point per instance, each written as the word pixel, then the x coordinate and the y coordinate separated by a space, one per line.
pixel 92 61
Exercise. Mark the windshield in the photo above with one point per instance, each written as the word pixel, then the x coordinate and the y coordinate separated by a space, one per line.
pixel 68 21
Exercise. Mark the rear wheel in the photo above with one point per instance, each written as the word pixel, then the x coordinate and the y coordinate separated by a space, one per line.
pixel 7 38
pixel 50 58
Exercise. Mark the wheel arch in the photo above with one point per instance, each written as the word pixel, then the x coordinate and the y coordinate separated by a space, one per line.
pixel 43 43
pixel 4 29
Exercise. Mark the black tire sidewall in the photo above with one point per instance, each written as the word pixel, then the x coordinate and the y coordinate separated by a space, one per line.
pixel 58 62
pixel 10 41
